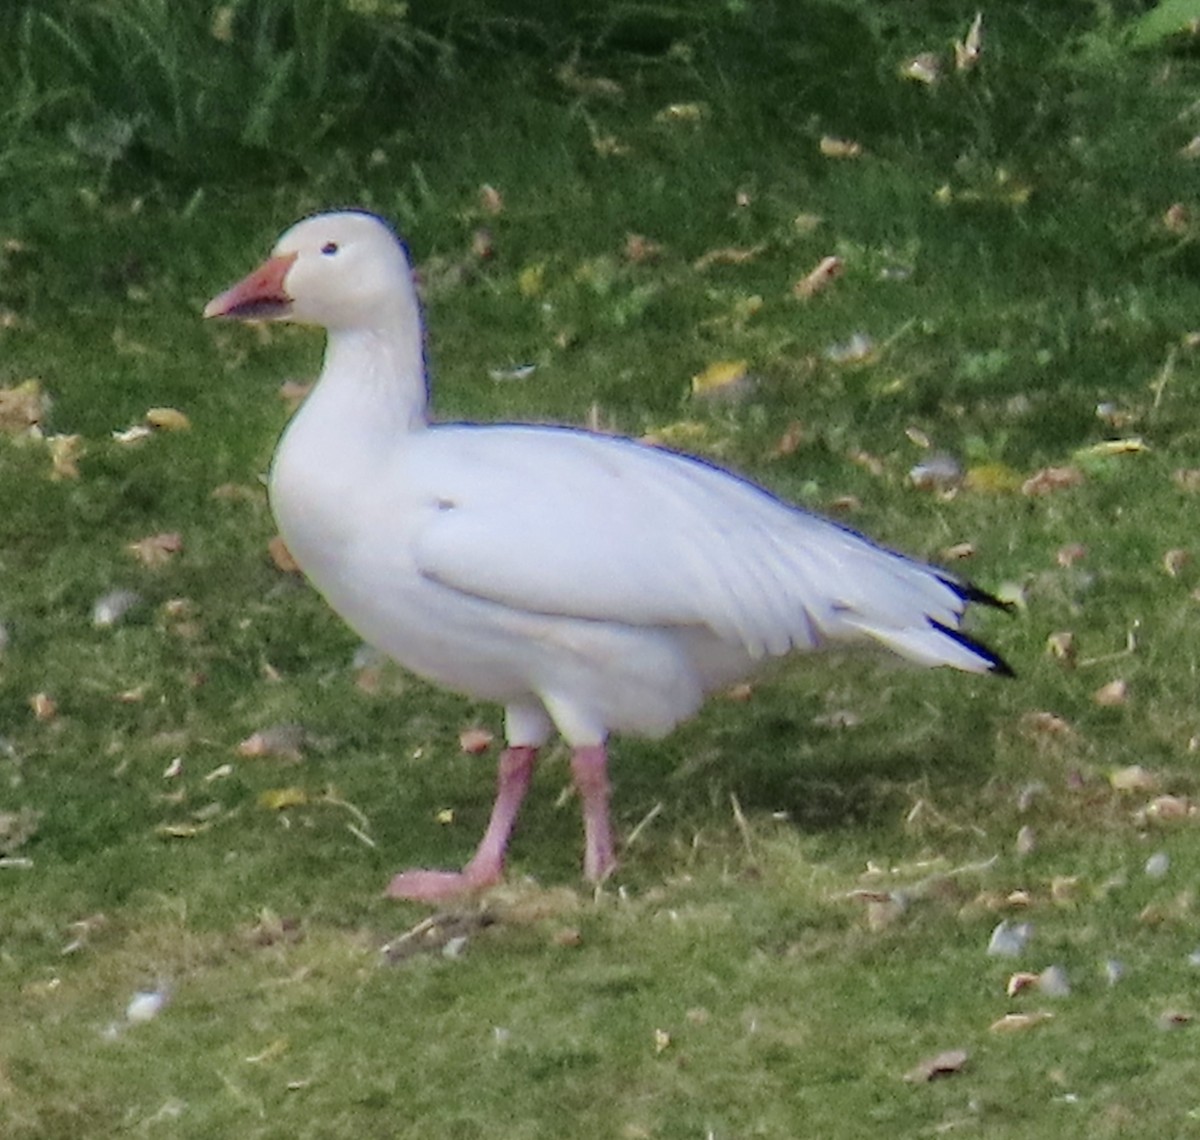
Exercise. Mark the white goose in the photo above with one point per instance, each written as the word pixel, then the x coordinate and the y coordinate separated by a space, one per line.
pixel 588 583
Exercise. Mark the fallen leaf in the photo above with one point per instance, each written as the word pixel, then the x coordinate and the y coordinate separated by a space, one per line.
pixel 281 556
pixel 924 68
pixel 1015 1022
pixel 1176 561
pixel 682 113
pixel 475 741
pixel 156 549
pixel 662 1040
pixel 1116 692
pixel 720 378
pixel 180 830
pixel 1133 778
pixel 278 742
pixel 640 249
pixel 22 407
pixel 1051 479
pixel 992 479
pixel 278 799
pixel 491 201
pixel 958 552
pixel 1022 980
pixel 1107 447
pixel 832 147
pixel 1044 723
pixel 167 419
pixel 65 453
pixel 1070 554
pixel 968 51
pixel 1187 479
pixel 44 706
pixel 1177 218
pixel 293 392
pixel 1170 807
pixel 1061 646
pixel 683 434
pixel 820 277
pixel 943 1065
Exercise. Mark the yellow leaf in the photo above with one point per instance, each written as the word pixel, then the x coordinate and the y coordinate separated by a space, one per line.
pixel 277 799
pixel 167 419
pixel 719 375
pixel 180 830
pixel 682 434
pixel 531 279
pixel 993 478
pixel 1113 447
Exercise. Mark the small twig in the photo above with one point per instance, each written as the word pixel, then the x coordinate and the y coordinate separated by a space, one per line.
pixel 740 819
pixel 1116 655
pixel 1165 375
pixel 645 822
pixel 360 835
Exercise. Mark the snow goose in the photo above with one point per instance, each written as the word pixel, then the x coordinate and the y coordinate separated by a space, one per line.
pixel 588 583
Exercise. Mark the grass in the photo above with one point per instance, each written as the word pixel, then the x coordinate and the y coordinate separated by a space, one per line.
pixel 1007 250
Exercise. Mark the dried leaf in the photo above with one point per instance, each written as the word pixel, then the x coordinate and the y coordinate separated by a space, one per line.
pixel 281 556
pixel 1061 646
pixel 992 479
pixel 156 549
pixel 1015 1022
pixel 793 436
pixel 1176 561
pixel 943 1065
pixel 1170 808
pixel 491 201
pixel 1070 554
pixel 1051 479
pixel 1043 723
pixel 293 392
pixel 1134 778
pixel 1116 692
pixel 180 830
pixel 1022 980
pixel 682 113
pixel 22 407
pixel 684 434
pixel 662 1040
pixel 1177 218
pixel 278 799
pixel 475 741
pixel 640 249
pixel 832 147
pixel 167 419
pixel 826 271
pixel 278 742
pixel 44 706
pixel 1187 479
pixel 924 68
pixel 1108 447
pixel 721 377
pixel 970 48
pixel 65 453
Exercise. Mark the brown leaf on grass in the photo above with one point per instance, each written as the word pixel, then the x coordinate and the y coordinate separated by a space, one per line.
pixel 728 255
pixel 1070 554
pixel 292 392
pixel 1187 479
pixel 1045 724
pixel 969 49
pixel 958 552
pixel 1115 692
pixel 833 147
pixel 1016 1022
pixel 1133 778
pixel 167 419
pixel 868 462
pixel 943 1065
pixel 924 68
pixel 1175 561
pixel 44 706
pixel 65 453
pixel 793 436
pixel 1022 980
pixel 639 249
pixel 491 201
pixel 1051 479
pixel 475 741
pixel 156 549
pixel 17 828
pixel 819 278
pixel 1177 218
pixel 278 742
pixel 22 407
pixel 1174 1019
pixel 569 75
pixel 682 113
pixel 1061 646
pixel 1168 808
pixel 281 556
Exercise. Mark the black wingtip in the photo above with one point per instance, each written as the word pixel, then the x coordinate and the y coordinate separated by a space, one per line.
pixel 995 663
pixel 969 592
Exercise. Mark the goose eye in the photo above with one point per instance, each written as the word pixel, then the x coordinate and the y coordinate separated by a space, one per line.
pixel 329 248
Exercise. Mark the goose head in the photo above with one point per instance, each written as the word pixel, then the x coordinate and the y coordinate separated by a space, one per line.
pixel 339 270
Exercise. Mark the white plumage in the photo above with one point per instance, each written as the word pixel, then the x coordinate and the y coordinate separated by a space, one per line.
pixel 588 583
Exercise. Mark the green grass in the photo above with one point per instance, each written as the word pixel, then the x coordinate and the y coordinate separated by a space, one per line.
pixel 724 983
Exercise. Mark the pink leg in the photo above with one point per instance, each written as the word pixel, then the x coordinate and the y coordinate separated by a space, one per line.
pixel 589 765
pixel 486 867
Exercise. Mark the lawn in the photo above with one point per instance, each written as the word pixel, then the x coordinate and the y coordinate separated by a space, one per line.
pixel 619 213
